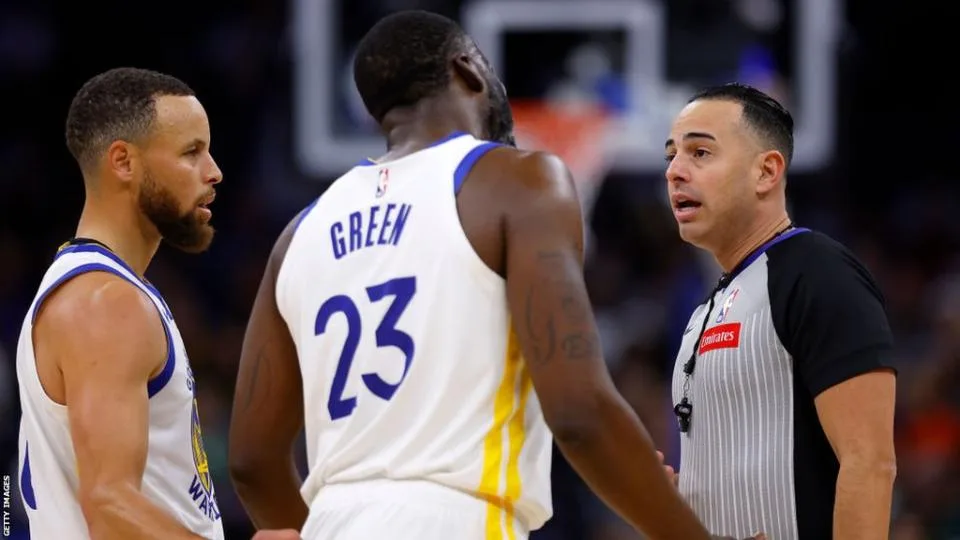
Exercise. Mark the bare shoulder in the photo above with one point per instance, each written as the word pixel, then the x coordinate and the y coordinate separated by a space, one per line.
pixel 538 193
pixel 97 302
pixel 91 311
pixel 282 244
pixel 518 199
pixel 528 173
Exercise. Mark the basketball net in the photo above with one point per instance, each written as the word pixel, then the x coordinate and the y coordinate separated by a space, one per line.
pixel 577 133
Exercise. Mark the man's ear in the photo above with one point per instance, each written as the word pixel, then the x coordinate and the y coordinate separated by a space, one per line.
pixel 771 168
pixel 466 68
pixel 121 160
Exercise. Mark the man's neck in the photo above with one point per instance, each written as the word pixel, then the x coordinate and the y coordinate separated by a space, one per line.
pixel 749 242
pixel 122 230
pixel 411 129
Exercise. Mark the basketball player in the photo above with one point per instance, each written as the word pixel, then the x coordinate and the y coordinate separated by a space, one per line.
pixel 110 443
pixel 408 316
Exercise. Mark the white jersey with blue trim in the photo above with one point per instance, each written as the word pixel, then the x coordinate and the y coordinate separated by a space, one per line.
pixel 176 477
pixel 410 367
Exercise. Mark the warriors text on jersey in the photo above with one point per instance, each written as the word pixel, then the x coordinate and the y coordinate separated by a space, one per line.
pixel 410 368
pixel 176 477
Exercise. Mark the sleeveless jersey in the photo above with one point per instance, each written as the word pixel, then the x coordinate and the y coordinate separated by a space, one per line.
pixel 176 478
pixel 410 366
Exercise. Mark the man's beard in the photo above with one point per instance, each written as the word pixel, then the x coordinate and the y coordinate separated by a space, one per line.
pixel 499 116
pixel 186 231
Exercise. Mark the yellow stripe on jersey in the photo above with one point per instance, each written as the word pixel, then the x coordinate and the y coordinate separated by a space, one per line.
pixel 516 436
pixel 500 505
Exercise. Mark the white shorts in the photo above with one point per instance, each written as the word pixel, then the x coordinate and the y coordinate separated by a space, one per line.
pixel 407 510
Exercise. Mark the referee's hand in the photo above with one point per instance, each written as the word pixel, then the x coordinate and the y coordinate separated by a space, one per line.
pixel 675 478
pixel 668 470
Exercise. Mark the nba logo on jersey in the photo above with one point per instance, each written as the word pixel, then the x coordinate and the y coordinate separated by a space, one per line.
pixel 382 183
pixel 727 305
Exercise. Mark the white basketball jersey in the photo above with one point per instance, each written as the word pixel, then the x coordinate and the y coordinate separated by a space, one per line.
pixel 176 477
pixel 410 368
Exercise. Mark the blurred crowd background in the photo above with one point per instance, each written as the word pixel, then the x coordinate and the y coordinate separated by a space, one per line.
pixel 869 80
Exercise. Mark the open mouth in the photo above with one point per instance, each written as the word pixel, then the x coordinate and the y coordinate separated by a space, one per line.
pixel 207 201
pixel 684 207
pixel 683 202
pixel 203 207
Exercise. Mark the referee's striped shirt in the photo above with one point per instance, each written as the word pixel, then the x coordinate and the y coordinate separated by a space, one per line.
pixel 798 316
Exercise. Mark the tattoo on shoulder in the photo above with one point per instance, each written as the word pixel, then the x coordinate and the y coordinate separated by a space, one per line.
pixel 557 314
pixel 542 336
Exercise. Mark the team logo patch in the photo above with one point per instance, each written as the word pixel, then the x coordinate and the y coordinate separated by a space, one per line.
pixel 727 304
pixel 201 488
pixel 724 336
pixel 383 182
pixel 199 454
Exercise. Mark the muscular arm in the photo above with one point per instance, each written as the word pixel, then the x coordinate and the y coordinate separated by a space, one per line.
pixel 857 417
pixel 268 411
pixel 107 339
pixel 593 426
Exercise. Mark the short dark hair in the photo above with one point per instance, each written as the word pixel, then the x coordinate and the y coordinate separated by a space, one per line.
pixel 118 104
pixel 761 112
pixel 405 58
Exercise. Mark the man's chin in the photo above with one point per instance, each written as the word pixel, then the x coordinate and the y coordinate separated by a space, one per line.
pixel 197 242
pixel 693 233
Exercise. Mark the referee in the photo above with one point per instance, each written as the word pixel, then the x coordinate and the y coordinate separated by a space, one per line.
pixel 783 387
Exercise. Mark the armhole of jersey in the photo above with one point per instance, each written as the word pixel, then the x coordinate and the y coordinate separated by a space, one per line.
pixel 467 163
pixel 483 273
pixel 303 215
pixel 298 220
pixel 155 384
pixel 26 480
pixel 93 248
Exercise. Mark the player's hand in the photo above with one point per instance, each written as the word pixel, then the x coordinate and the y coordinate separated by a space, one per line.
pixel 668 470
pixel 284 534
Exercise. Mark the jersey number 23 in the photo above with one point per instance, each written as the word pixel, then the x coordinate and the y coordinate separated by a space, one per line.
pixel 387 335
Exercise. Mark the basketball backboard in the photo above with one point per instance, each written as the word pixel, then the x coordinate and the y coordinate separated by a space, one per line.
pixel 644 56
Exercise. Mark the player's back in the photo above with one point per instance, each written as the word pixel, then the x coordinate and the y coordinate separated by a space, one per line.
pixel 410 368
pixel 176 474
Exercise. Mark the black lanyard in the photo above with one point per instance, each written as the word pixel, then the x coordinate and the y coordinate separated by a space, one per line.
pixel 684 409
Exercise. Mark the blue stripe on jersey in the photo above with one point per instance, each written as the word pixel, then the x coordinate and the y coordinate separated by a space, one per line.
pixel 94 248
pixel 369 162
pixel 762 249
pixel 26 480
pixel 468 162
pixel 303 214
pixel 155 384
